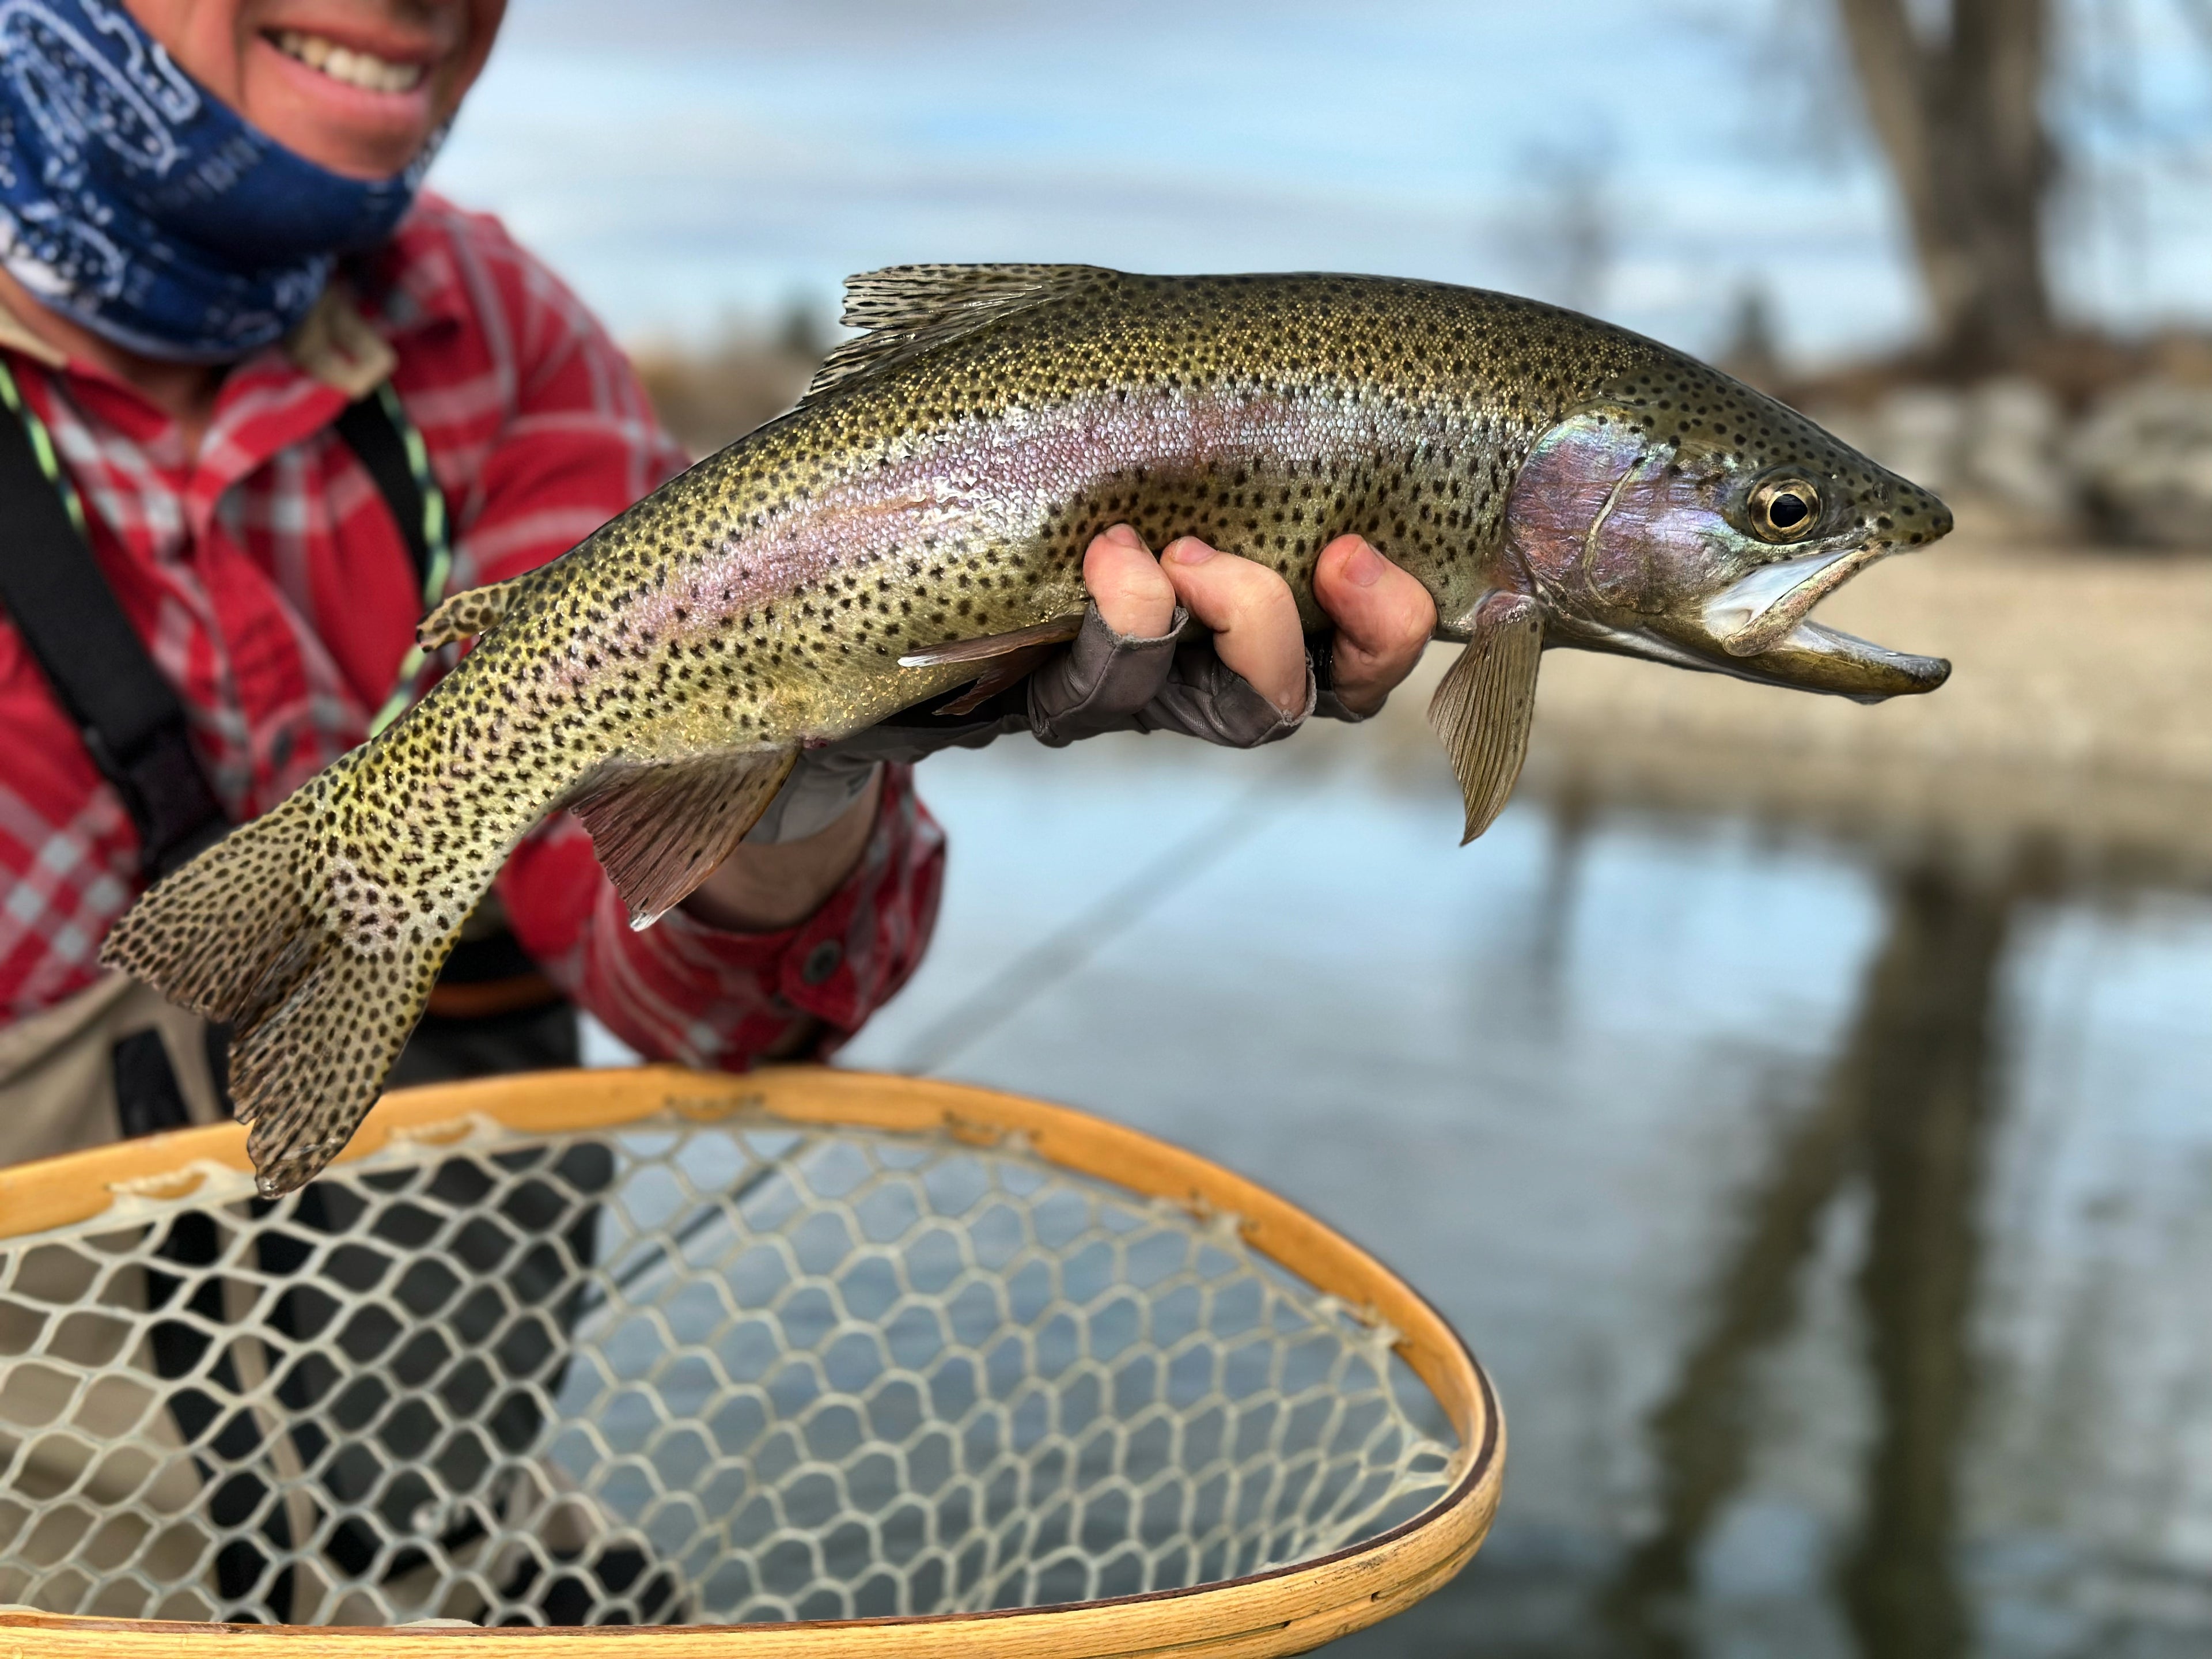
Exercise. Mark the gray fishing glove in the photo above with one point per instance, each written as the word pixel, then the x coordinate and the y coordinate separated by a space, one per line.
pixel 1110 682
pixel 1104 682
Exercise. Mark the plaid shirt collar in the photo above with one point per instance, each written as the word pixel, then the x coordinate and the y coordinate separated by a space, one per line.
pixel 342 350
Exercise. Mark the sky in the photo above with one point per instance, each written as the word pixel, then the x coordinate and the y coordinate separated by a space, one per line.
pixel 686 162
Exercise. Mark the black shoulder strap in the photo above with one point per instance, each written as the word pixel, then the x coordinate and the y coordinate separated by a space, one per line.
pixel 130 717
pixel 132 720
pixel 377 443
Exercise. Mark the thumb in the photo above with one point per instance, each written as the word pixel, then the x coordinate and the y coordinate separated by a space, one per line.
pixel 1383 620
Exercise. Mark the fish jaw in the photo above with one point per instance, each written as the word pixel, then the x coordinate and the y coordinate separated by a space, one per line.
pixel 1762 625
pixel 1811 657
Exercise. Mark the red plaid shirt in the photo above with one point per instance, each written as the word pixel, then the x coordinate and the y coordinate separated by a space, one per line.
pixel 270 583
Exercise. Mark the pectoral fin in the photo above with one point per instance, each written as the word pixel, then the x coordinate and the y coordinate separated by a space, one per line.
pixel 1005 672
pixel 1058 631
pixel 660 829
pixel 466 615
pixel 1483 709
pixel 1004 658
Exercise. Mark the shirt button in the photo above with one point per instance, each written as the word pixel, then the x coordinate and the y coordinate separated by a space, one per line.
pixel 822 962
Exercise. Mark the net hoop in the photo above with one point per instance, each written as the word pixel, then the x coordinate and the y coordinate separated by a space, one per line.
pixel 1279 1610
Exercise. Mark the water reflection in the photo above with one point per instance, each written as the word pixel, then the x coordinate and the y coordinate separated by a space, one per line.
pixel 1908 1106
pixel 1836 1225
pixel 1920 1064
pixel 1572 816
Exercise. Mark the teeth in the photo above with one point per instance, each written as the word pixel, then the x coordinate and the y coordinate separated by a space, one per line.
pixel 356 68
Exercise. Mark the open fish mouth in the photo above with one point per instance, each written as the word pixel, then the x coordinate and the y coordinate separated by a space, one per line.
pixel 1758 613
pixel 1759 628
pixel 1763 625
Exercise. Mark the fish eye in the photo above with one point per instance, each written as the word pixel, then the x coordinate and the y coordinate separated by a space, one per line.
pixel 1784 509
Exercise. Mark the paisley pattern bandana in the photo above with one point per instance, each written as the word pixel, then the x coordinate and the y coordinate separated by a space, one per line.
pixel 138 204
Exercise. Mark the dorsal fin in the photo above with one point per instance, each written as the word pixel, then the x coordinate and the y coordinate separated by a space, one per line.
pixel 906 309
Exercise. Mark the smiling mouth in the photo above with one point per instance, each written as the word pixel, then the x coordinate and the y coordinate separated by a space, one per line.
pixel 347 64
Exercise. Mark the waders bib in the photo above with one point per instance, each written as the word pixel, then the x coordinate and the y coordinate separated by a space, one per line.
pixel 117 1059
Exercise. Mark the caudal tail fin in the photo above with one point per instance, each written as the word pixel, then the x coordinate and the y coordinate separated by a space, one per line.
pixel 317 1018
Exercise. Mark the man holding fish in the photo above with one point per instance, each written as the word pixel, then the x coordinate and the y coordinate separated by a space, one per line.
pixel 266 407
pixel 265 404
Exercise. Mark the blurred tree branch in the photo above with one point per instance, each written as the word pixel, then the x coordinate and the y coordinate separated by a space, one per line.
pixel 1957 110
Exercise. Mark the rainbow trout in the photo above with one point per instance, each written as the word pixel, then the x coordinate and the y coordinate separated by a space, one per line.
pixel 918 523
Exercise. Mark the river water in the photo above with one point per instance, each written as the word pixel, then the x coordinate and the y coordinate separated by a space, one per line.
pixel 1837 1226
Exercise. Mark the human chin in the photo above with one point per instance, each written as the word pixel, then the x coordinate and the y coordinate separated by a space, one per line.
pixel 356 111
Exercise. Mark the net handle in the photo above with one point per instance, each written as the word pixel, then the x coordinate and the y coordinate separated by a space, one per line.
pixel 1285 1610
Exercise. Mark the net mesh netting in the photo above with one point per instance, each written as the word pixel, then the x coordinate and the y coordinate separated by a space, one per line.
pixel 685 1372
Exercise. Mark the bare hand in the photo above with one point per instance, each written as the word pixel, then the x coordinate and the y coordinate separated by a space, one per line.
pixel 1383 617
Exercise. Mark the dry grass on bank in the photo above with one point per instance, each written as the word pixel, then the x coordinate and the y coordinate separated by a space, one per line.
pixel 712 397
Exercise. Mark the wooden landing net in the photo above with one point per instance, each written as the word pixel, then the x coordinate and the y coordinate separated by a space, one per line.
pixel 551 1354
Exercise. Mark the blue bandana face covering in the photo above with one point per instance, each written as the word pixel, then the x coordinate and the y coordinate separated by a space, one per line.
pixel 137 204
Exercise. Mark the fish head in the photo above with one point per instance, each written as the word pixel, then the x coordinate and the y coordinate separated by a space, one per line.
pixel 1681 516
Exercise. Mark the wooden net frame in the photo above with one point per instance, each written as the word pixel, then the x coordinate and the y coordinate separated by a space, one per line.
pixel 1332 1321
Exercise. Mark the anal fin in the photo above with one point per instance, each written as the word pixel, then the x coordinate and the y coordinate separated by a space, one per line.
pixel 660 828
pixel 466 615
pixel 1484 707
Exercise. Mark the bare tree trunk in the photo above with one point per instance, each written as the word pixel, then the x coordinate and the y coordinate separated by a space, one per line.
pixel 1960 118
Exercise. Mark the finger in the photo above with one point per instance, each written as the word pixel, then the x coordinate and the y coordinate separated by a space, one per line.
pixel 1127 585
pixel 1383 620
pixel 1254 618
